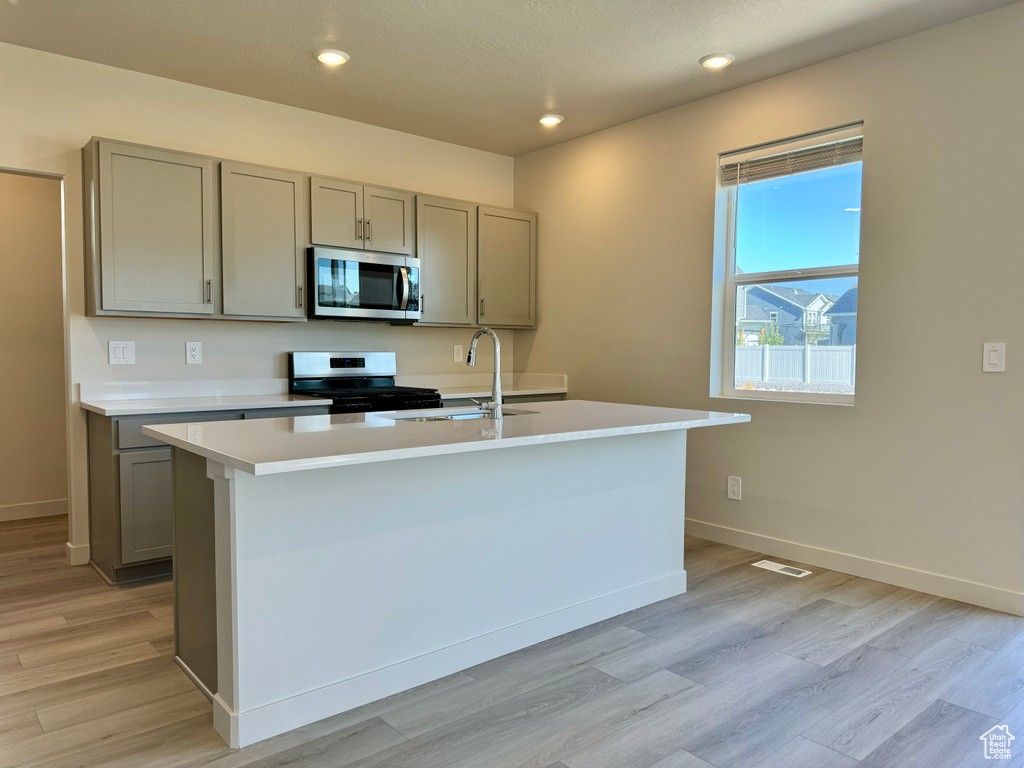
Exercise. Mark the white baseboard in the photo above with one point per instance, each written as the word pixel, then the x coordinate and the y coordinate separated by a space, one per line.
pixel 77 554
pixel 33 509
pixel 240 729
pixel 985 595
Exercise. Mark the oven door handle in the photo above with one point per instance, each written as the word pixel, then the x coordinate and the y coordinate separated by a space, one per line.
pixel 404 302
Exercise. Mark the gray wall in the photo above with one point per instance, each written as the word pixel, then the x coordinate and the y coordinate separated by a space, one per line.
pixel 924 473
pixel 33 452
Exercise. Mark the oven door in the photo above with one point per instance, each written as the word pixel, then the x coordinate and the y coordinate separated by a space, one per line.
pixel 362 286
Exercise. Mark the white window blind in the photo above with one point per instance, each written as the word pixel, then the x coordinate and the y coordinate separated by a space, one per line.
pixel 832 153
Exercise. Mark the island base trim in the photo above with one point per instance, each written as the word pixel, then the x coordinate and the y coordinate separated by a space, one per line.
pixel 240 729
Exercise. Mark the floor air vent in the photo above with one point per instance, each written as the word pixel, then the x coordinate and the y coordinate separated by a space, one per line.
pixel 789 570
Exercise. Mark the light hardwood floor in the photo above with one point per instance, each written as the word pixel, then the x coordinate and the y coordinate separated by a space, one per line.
pixel 749 668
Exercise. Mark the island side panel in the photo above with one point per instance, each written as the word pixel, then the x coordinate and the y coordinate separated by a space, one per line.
pixel 354 583
pixel 195 584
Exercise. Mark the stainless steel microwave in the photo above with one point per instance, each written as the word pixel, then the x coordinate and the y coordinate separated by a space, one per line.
pixel 362 285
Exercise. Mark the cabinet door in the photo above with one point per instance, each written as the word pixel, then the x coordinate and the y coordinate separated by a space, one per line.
pixel 263 231
pixel 388 220
pixel 446 246
pixel 336 213
pixel 156 230
pixel 508 268
pixel 147 505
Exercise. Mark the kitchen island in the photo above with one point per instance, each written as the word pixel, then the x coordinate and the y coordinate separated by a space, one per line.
pixel 323 562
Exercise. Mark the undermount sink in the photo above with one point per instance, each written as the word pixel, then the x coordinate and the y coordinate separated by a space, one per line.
pixel 462 416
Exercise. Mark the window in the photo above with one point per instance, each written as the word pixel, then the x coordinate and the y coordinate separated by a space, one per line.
pixel 789 246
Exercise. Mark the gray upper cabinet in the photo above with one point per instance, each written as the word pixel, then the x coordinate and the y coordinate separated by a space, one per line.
pixel 263 241
pixel 507 261
pixel 152 242
pixel 345 214
pixel 446 246
pixel 336 212
pixel 147 505
pixel 388 220
pixel 157 244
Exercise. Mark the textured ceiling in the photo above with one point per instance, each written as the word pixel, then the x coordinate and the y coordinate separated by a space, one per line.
pixel 472 72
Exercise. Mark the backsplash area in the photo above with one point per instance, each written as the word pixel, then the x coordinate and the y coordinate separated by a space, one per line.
pixel 259 350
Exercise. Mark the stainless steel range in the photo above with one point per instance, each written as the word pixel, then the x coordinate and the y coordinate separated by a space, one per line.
pixel 357 382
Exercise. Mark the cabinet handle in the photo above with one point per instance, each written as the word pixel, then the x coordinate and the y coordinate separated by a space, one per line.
pixel 360 235
pixel 300 297
pixel 369 232
pixel 481 307
pixel 209 292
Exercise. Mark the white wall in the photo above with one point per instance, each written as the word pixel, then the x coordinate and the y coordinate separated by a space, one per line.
pixel 50 106
pixel 920 482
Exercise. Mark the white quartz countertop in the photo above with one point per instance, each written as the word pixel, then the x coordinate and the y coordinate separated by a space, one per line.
pixel 274 445
pixel 149 407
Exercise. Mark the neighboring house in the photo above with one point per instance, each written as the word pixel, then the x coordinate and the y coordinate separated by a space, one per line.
pixel 800 315
pixel 843 319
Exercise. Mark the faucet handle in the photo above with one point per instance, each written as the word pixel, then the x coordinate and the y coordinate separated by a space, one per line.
pixel 478 402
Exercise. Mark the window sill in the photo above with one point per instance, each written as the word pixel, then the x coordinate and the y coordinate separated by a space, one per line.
pixel 803 398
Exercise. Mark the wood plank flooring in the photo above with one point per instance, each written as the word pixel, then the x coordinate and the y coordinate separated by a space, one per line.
pixel 749 669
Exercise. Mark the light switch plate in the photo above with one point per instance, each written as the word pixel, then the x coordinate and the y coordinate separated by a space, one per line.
pixel 193 353
pixel 995 357
pixel 121 352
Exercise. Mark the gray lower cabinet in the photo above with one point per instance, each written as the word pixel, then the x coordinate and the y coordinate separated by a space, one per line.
pixel 263 232
pixel 279 413
pixel 507 258
pixel 446 247
pixel 147 504
pixel 132 494
pixel 149 230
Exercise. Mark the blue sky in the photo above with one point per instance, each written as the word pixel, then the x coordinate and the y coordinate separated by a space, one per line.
pixel 800 221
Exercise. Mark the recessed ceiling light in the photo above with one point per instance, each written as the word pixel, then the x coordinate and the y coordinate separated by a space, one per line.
pixel 331 57
pixel 551 119
pixel 717 60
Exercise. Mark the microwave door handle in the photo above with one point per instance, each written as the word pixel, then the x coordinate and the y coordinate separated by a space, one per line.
pixel 405 288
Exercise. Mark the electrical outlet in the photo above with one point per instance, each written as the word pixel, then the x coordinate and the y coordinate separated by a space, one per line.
pixel 735 487
pixel 459 356
pixel 193 353
pixel 121 352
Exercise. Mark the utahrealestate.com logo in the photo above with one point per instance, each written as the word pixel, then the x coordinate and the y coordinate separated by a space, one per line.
pixel 997 743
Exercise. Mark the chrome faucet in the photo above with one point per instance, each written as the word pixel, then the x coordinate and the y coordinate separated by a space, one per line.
pixel 492 406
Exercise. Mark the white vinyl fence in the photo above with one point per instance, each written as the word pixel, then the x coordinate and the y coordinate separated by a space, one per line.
pixel 808 364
